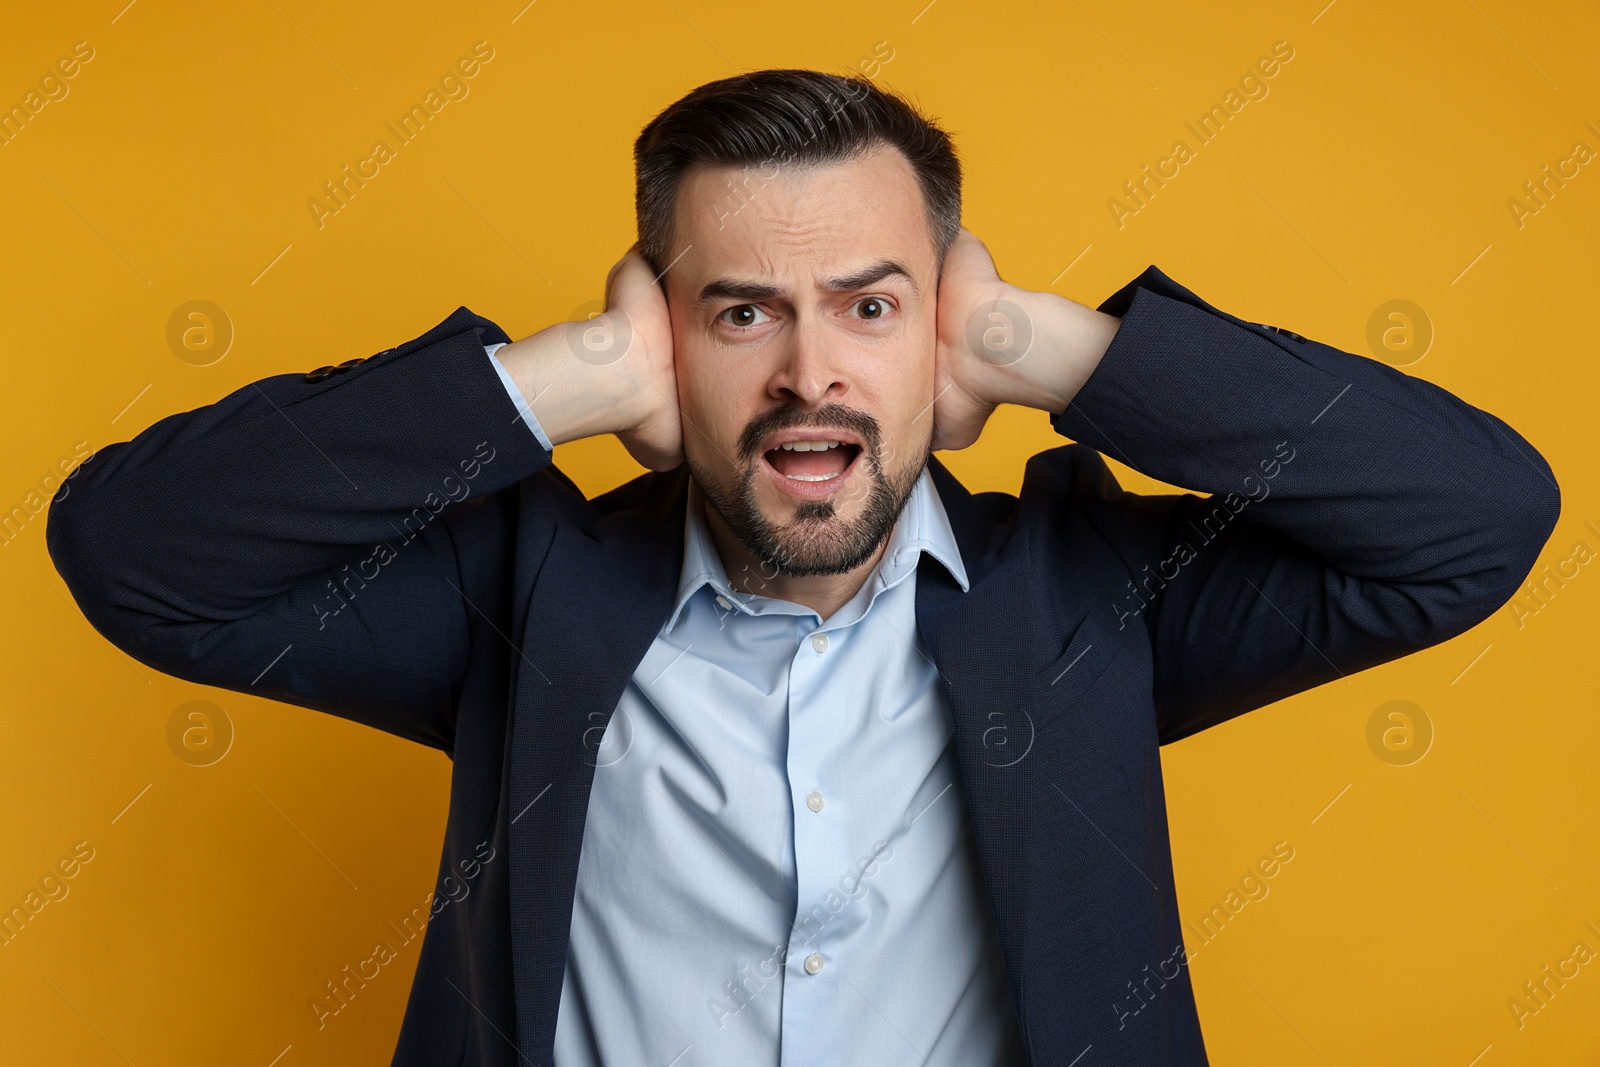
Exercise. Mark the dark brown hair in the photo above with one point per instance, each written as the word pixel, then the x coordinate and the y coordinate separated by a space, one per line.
pixel 776 118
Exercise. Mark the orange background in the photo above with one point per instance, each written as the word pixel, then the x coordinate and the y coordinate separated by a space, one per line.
pixel 1378 167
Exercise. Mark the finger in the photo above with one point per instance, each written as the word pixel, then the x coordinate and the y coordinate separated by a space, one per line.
pixel 615 276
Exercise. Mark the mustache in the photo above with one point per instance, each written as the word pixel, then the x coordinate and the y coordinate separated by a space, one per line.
pixel 828 416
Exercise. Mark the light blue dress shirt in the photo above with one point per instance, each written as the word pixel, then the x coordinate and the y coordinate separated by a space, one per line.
pixel 778 865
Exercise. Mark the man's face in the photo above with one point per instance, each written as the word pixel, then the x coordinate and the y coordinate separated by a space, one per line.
pixel 803 311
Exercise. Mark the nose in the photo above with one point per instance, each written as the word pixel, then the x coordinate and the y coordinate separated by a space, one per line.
pixel 806 372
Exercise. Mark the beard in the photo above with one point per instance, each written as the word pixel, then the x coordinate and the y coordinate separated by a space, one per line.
pixel 816 541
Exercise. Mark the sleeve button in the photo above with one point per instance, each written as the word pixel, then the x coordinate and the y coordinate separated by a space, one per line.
pixel 319 374
pixel 347 364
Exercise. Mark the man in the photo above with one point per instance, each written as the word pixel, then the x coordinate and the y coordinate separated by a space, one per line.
pixel 793 750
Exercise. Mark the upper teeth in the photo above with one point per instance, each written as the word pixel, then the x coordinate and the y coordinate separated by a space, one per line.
pixel 809 446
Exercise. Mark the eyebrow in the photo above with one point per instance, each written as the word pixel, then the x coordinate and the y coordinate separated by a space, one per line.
pixel 733 289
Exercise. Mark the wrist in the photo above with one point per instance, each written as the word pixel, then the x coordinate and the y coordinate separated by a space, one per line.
pixel 1065 343
pixel 574 389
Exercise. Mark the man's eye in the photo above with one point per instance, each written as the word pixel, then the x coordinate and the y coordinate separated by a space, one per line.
pixel 873 308
pixel 744 315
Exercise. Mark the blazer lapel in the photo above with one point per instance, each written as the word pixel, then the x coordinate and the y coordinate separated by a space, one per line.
pixel 974 641
pixel 602 595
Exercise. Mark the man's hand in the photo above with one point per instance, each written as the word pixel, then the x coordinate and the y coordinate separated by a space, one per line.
pixel 970 290
pixel 998 344
pixel 652 430
pixel 612 373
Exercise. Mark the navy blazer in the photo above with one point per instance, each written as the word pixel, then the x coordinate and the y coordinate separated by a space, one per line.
pixel 385 542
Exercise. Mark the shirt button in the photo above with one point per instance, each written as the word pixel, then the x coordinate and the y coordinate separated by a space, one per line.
pixel 814 800
pixel 813 963
pixel 722 602
pixel 819 642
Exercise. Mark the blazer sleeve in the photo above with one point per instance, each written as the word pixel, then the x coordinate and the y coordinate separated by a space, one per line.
pixel 1356 513
pixel 323 539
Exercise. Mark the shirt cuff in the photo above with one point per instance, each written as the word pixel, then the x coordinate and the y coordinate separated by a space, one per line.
pixel 517 398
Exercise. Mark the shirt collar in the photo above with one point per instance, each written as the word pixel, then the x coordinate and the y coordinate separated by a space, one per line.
pixel 923 526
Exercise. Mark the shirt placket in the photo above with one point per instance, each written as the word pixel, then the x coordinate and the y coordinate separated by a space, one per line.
pixel 817 956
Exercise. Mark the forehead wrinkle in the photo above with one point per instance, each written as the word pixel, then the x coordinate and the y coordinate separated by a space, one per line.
pixel 753 290
pixel 786 236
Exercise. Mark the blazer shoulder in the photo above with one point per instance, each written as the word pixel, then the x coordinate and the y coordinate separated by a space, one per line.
pixel 1051 480
pixel 1071 482
pixel 650 503
pixel 1072 500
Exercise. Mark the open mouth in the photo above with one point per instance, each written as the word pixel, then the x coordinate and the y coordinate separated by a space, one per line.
pixel 811 468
